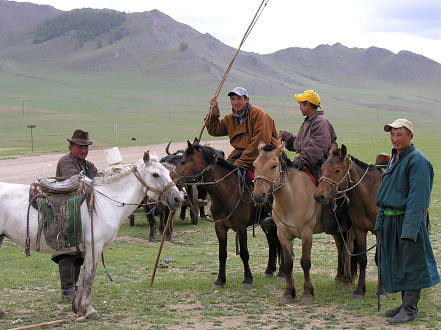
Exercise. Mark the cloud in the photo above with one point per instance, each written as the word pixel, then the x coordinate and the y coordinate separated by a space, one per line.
pixel 419 18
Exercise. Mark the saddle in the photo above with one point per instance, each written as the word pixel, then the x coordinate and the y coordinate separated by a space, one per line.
pixel 59 218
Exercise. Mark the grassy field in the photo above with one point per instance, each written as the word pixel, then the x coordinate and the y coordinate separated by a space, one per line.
pixel 181 297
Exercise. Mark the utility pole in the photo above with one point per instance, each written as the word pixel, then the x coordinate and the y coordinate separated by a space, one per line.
pixel 32 136
pixel 23 102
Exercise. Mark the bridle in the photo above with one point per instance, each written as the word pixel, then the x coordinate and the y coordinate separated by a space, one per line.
pixel 272 183
pixel 347 177
pixel 161 193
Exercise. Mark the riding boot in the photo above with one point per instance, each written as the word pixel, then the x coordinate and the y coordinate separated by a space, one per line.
pixel 409 309
pixel 394 311
pixel 67 277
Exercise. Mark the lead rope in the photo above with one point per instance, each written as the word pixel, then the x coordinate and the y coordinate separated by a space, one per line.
pixel 90 208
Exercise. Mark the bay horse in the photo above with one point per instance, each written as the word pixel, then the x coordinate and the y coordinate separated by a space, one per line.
pixel 116 194
pixel 231 205
pixel 346 177
pixel 295 213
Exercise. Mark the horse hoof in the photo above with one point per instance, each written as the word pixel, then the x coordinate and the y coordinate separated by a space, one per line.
pixel 306 300
pixel 169 238
pixel 347 287
pixel 217 286
pixel 281 277
pixel 2 314
pixel 286 300
pixel 247 285
pixel 92 314
pixel 269 274
pixel 357 296
pixel 338 280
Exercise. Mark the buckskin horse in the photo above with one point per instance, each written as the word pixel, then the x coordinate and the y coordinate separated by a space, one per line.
pixel 116 193
pixel 295 213
pixel 346 177
pixel 231 205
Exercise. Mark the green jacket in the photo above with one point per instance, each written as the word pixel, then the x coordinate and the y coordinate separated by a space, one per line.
pixel 407 260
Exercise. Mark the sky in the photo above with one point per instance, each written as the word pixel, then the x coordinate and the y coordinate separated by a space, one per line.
pixel 413 25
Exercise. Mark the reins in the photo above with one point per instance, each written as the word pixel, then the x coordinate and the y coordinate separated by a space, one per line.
pixel 216 181
pixel 342 194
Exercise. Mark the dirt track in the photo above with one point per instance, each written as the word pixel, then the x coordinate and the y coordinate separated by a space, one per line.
pixel 24 169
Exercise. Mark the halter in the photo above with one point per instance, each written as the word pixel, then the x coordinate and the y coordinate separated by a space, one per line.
pixel 147 187
pixel 346 177
pixel 272 183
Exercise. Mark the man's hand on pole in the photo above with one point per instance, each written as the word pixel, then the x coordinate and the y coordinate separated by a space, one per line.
pixel 214 106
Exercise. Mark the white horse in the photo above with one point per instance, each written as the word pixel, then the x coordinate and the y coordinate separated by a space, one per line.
pixel 117 194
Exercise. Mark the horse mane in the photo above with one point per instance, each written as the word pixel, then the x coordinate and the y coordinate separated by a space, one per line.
pixel 115 172
pixel 284 160
pixel 214 156
pixel 358 162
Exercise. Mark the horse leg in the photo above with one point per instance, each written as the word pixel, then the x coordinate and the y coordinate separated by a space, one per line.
pixel 270 231
pixel 344 275
pixel 245 256
pixel 81 304
pixel 289 295
pixel 2 313
pixel 221 233
pixel 360 237
pixel 182 214
pixel 305 262
pixel 381 291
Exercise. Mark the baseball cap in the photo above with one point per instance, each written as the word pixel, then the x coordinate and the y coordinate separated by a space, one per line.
pixel 239 91
pixel 399 123
pixel 310 96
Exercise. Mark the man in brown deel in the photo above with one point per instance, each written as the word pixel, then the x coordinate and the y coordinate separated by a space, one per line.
pixel 70 164
pixel 246 125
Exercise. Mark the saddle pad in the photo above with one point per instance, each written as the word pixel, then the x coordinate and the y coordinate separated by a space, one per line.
pixel 60 220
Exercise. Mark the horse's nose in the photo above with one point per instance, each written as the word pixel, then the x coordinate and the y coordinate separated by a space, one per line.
pixel 320 198
pixel 260 198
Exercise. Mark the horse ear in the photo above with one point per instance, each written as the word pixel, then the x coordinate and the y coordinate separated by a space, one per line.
pixel 280 148
pixel 343 151
pixel 189 144
pixel 334 146
pixel 196 141
pixel 146 157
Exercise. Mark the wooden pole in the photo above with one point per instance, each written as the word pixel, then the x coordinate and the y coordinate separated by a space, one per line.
pixel 167 225
pixel 219 88
pixel 44 324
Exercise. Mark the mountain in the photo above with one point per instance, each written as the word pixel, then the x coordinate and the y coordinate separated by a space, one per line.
pixel 152 43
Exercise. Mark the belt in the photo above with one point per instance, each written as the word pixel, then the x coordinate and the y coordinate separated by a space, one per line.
pixel 393 213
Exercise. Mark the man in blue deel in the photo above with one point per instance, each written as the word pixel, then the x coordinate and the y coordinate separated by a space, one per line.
pixel 407 260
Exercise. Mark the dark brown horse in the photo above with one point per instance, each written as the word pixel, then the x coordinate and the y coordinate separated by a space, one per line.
pixel 346 177
pixel 295 213
pixel 231 206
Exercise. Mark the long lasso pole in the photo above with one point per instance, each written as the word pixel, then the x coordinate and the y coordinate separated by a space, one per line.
pixel 245 36
pixel 167 225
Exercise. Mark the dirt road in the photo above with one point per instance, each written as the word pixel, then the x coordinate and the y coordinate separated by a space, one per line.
pixel 24 169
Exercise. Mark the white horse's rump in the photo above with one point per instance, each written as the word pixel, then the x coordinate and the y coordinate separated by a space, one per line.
pixel 117 185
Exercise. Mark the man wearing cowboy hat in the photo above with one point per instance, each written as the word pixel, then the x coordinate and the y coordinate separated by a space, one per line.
pixel 70 164
pixel 75 161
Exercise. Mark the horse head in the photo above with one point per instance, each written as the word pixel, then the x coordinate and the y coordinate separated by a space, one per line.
pixel 156 179
pixel 267 172
pixel 197 160
pixel 335 172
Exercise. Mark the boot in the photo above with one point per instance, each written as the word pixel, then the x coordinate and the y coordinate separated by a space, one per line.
pixel 409 309
pixel 267 223
pixel 66 268
pixel 394 311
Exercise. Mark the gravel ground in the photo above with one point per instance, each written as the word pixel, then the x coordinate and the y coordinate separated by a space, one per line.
pixel 23 169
